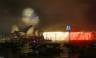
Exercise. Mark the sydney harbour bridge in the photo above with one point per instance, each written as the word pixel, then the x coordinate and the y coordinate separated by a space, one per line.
pixel 49 40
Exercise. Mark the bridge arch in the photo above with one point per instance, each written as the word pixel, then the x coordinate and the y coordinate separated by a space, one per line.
pixel 62 27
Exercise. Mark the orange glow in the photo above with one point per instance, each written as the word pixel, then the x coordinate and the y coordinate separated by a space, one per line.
pixel 81 36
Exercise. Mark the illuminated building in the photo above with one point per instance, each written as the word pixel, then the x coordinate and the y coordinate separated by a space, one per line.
pixel 29 17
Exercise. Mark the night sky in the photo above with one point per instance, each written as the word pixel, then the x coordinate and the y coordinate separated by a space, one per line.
pixel 79 12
